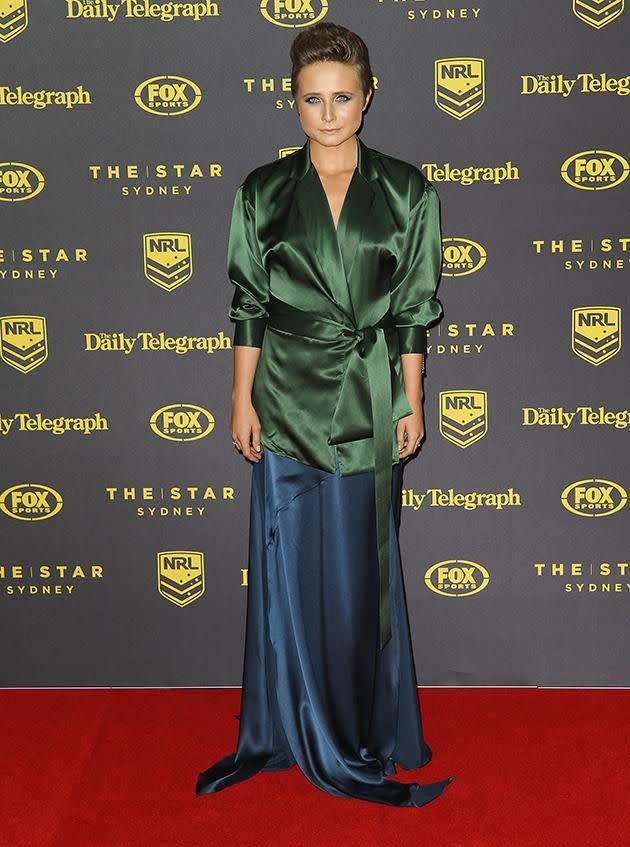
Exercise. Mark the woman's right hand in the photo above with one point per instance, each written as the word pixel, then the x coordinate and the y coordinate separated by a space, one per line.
pixel 245 428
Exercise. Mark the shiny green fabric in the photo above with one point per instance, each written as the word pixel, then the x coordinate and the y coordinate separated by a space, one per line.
pixel 333 310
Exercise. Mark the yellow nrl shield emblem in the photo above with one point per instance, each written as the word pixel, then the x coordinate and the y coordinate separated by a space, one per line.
pixel 23 341
pixel 459 86
pixel 180 576
pixel 596 335
pixel 597 13
pixel 167 258
pixel 13 18
pixel 463 416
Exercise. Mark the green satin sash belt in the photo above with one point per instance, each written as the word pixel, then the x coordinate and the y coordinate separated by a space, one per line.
pixel 369 344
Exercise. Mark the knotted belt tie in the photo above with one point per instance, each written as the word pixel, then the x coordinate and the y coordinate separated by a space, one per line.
pixel 371 346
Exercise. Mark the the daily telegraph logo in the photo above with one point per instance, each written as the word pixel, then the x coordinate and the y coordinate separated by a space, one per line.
pixel 595 170
pixel 582 83
pixel 565 417
pixel 44 98
pixel 598 13
pixel 471 174
pixel 462 256
pixel 459 86
pixel 30 422
pixel 450 498
pixel 293 13
pixel 463 416
pixel 596 333
pixel 180 576
pixel 13 18
pixel 23 341
pixel 30 501
pixel 164 10
pixel 151 342
pixel 168 96
pixel 182 422
pixel 167 258
pixel 19 181
pixel 457 578
pixel 594 498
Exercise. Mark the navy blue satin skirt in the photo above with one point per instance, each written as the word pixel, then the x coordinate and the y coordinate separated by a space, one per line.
pixel 316 689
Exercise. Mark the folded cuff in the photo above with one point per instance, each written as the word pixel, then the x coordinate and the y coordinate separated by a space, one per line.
pixel 412 339
pixel 249 332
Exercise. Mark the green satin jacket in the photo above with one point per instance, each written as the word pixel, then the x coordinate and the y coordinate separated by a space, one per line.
pixel 333 309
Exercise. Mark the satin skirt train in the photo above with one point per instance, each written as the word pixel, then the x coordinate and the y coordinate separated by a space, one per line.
pixel 316 690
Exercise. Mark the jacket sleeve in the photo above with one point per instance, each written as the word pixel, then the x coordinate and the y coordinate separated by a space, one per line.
pixel 247 273
pixel 413 302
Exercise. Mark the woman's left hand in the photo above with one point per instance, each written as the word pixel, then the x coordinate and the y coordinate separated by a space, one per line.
pixel 413 425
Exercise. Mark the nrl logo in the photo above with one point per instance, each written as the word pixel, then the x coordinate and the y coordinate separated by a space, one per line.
pixel 596 333
pixel 23 341
pixel 463 416
pixel 167 258
pixel 459 86
pixel 597 13
pixel 13 19
pixel 180 576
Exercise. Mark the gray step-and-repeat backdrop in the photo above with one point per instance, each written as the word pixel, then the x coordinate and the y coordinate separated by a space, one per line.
pixel 127 127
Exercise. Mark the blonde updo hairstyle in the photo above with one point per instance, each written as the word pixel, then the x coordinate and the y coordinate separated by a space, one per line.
pixel 330 42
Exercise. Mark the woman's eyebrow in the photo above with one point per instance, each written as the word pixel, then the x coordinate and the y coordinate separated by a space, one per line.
pixel 310 93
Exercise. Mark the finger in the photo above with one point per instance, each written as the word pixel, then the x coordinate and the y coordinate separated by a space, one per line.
pixel 410 447
pixel 252 455
pixel 247 449
pixel 256 439
pixel 400 435
pixel 403 449
pixel 243 441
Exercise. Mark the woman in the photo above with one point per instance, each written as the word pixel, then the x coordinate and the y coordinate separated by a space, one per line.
pixel 335 252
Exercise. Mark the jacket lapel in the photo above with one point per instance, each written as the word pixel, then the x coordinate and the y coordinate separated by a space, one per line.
pixel 352 221
pixel 333 251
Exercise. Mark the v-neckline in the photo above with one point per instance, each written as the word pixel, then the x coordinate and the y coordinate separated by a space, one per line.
pixel 345 197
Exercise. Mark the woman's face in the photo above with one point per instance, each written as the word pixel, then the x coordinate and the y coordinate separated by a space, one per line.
pixel 330 97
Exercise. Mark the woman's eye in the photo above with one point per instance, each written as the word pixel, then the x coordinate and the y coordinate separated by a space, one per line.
pixel 344 100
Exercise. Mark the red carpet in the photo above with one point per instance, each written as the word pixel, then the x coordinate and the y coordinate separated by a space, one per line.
pixel 106 768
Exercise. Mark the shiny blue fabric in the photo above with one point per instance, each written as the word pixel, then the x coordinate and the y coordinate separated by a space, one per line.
pixel 316 689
